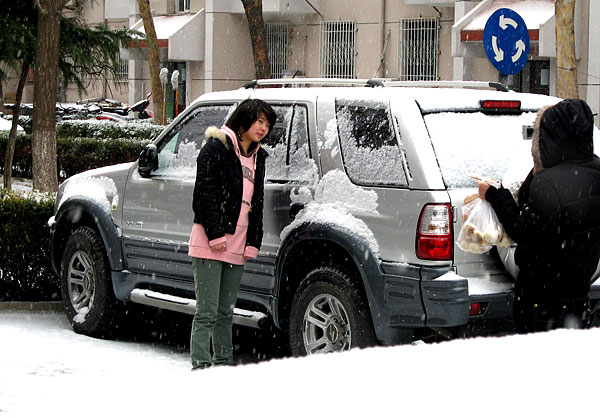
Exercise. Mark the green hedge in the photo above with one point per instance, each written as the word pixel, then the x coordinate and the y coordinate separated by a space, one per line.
pixel 141 130
pixel 22 156
pixel 74 154
pixel 25 270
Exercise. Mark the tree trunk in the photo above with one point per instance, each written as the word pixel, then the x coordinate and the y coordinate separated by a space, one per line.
pixel 566 63
pixel 154 60
pixel 12 136
pixel 43 146
pixel 1 97
pixel 256 25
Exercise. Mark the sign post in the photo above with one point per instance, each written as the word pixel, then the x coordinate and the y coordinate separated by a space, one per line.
pixel 506 41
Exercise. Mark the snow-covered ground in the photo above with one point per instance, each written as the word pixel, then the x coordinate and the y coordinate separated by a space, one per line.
pixel 5 125
pixel 21 184
pixel 48 370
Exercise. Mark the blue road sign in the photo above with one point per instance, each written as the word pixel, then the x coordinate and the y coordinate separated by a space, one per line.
pixel 506 41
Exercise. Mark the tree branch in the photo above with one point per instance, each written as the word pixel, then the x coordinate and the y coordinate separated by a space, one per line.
pixel 42 9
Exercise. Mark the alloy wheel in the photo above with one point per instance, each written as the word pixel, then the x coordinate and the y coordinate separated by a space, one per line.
pixel 326 326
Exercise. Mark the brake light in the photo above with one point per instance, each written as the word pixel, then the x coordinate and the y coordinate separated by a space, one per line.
pixel 434 233
pixel 478 308
pixel 475 309
pixel 501 106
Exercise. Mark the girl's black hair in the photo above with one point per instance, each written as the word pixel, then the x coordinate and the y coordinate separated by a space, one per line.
pixel 247 113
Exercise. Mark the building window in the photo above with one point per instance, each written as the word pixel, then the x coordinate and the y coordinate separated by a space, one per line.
pixel 182 5
pixel 122 72
pixel 418 49
pixel 277 44
pixel 338 49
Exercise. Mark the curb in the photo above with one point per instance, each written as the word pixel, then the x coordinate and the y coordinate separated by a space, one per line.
pixel 31 306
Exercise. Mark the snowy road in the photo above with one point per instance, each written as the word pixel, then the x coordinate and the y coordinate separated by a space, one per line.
pixel 46 370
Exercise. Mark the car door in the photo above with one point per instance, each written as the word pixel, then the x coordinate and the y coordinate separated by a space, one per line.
pixel 289 167
pixel 157 211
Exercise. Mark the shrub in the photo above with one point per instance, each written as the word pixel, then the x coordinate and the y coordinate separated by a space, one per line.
pixel 21 158
pixel 141 130
pixel 75 154
pixel 25 270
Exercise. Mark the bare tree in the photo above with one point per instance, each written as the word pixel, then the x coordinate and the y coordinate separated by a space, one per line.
pixel 256 24
pixel 43 146
pixel 154 60
pixel 84 52
pixel 1 97
pixel 12 136
pixel 566 62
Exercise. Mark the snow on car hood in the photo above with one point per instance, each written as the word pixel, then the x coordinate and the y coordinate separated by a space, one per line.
pixel 101 190
pixel 93 185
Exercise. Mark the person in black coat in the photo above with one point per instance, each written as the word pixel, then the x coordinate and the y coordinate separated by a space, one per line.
pixel 556 222
pixel 228 225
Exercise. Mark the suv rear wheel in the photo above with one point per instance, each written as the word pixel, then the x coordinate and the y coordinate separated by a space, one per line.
pixel 329 314
pixel 86 284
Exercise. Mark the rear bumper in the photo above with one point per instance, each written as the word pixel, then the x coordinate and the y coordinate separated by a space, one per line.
pixel 413 299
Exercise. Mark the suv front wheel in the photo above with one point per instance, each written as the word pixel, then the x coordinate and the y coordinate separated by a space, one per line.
pixel 86 284
pixel 329 314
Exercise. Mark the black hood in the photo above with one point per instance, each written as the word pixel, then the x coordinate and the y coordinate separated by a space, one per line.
pixel 566 133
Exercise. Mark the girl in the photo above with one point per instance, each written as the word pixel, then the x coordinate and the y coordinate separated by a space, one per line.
pixel 227 204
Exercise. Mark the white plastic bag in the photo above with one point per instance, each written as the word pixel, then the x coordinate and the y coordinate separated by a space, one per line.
pixel 481 229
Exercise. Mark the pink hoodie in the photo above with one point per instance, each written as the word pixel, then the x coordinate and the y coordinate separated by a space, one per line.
pixel 236 252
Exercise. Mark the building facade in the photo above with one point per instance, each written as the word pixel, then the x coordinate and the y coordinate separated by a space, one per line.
pixel 208 43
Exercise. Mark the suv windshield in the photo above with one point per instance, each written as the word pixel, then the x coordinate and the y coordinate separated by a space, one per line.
pixel 477 144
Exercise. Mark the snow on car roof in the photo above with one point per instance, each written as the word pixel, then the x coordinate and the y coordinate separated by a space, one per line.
pixel 436 100
pixel 430 99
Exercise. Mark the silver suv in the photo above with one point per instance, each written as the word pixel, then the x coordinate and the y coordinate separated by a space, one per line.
pixel 364 187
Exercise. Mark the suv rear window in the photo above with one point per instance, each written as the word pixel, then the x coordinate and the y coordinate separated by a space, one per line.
pixel 474 143
pixel 369 145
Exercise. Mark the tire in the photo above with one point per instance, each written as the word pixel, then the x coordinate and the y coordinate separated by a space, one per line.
pixel 86 285
pixel 329 314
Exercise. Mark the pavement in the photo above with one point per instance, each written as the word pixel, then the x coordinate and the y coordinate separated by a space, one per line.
pixel 32 306
pixel 172 329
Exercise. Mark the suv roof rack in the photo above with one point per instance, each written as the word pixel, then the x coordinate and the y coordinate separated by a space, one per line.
pixel 373 82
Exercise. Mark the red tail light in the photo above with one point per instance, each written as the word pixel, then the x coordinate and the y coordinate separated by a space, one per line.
pixel 435 238
pixel 501 106
pixel 476 309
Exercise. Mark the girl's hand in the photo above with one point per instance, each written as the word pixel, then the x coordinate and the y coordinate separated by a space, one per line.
pixel 222 246
pixel 483 188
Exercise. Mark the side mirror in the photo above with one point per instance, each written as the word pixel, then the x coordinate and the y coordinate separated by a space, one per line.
pixel 148 160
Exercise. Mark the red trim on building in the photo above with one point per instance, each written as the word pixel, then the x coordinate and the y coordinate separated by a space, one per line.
pixel 162 43
pixel 477 35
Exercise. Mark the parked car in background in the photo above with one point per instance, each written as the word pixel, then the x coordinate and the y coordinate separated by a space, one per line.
pixel 364 186
pixel 6 124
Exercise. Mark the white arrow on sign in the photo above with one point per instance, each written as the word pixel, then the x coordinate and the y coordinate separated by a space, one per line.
pixel 520 50
pixel 499 53
pixel 505 21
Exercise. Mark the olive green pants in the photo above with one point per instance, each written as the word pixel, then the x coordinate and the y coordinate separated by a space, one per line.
pixel 217 285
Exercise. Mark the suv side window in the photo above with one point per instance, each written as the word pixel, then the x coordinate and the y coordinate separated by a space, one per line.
pixel 178 151
pixel 289 153
pixel 369 145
